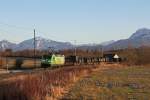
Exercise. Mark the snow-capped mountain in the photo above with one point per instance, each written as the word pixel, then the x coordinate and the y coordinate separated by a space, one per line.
pixel 42 44
pixel 141 34
pixel 140 38
pixel 4 44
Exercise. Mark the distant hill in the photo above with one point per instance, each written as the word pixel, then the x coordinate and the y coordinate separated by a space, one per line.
pixel 42 44
pixel 140 38
pixel 90 47
pixel 107 42
pixel 4 44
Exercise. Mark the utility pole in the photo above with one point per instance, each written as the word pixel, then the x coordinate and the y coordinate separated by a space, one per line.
pixel 1 59
pixel 34 50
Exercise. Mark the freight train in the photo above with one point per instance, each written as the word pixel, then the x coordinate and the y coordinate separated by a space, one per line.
pixel 61 60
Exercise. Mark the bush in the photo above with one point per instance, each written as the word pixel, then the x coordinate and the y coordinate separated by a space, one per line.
pixel 138 56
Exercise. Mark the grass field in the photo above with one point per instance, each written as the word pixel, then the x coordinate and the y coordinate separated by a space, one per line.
pixel 104 82
pixel 129 83
pixel 42 85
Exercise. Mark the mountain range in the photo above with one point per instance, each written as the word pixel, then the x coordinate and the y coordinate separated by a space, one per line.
pixel 4 44
pixel 42 44
pixel 140 38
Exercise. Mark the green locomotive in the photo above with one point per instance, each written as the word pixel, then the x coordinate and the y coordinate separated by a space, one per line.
pixel 52 60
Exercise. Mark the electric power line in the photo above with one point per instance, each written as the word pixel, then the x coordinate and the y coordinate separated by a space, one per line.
pixel 15 26
pixel 20 28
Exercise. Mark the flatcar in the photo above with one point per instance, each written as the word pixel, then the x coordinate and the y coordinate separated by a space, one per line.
pixel 80 60
pixel 61 60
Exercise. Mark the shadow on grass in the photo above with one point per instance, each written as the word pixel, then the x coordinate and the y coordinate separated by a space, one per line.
pixel 11 92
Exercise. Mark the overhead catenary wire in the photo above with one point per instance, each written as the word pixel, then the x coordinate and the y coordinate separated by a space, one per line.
pixel 26 30
pixel 9 29
pixel 15 26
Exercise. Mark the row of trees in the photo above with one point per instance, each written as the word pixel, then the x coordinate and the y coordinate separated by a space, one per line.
pixel 30 53
pixel 134 56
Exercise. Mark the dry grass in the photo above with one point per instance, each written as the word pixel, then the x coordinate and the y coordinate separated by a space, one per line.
pixel 128 83
pixel 45 85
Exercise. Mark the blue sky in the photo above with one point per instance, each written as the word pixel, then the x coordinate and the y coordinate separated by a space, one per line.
pixel 86 21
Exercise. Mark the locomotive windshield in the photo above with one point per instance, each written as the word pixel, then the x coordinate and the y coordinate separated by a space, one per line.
pixel 47 57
